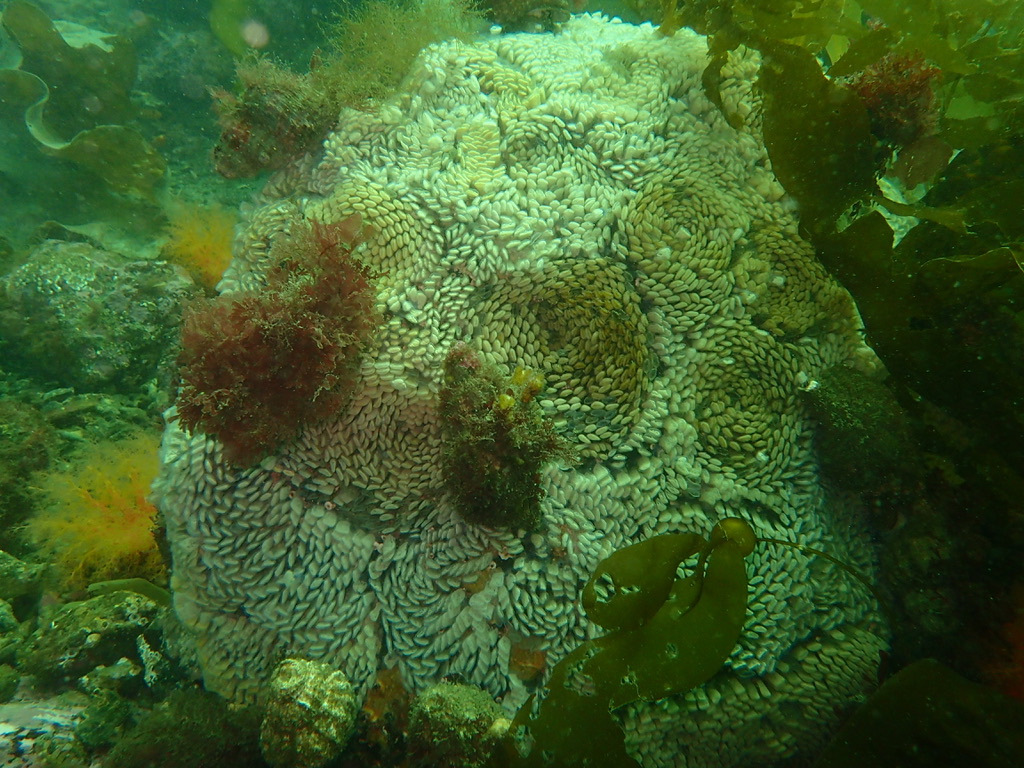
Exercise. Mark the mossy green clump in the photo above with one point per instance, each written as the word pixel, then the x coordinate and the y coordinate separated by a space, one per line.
pixel 928 715
pixel 454 725
pixel 377 41
pixel 277 115
pixel 191 729
pixel 666 636
pixel 496 441
pixel 103 721
pixel 862 438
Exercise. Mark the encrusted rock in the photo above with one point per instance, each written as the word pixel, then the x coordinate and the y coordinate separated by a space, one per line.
pixel 454 725
pixel 573 204
pixel 83 636
pixel 310 712
pixel 90 318
pixel 18 577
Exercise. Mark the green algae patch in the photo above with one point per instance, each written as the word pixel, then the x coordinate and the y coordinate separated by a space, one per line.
pixel 928 715
pixel 191 729
pixel 668 635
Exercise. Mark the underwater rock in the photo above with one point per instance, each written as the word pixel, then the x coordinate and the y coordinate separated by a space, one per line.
pixel 12 633
pixel 83 636
pixel 456 725
pixel 9 679
pixel 190 729
pixel 928 715
pixel 33 731
pixel 17 577
pixel 310 713
pixel 863 436
pixel 27 442
pixel 90 318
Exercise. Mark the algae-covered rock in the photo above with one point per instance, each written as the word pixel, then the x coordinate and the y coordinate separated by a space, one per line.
pixel 9 679
pixel 191 729
pixel 27 442
pixel 863 436
pixel 455 725
pixel 17 577
pixel 8 621
pixel 310 713
pixel 103 721
pixel 83 636
pixel 90 318
pixel 12 633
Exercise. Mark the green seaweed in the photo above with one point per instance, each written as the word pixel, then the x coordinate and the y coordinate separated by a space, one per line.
pixel 927 715
pixel 818 135
pixel 667 635
pixel 66 93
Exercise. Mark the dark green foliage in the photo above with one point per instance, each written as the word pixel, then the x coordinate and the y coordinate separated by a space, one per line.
pixel 925 716
pixel 191 729
pixel 667 635
pixel 863 437
pixel 496 441
pixel 818 135
pixel 103 720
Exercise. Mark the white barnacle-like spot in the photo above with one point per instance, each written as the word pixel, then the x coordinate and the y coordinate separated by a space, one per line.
pixel 570 203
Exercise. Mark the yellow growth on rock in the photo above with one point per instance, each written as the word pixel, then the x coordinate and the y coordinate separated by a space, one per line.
pixel 94 518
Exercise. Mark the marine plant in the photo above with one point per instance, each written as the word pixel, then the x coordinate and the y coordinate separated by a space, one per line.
pixel 496 440
pixel 199 238
pixel 375 43
pixel 665 635
pixel 94 519
pixel 277 115
pixel 257 366
pixel 67 94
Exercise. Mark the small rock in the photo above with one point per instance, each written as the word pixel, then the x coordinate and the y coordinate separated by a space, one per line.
pixel 83 636
pixel 311 711
pixel 9 679
pixel 17 577
pixel 455 725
